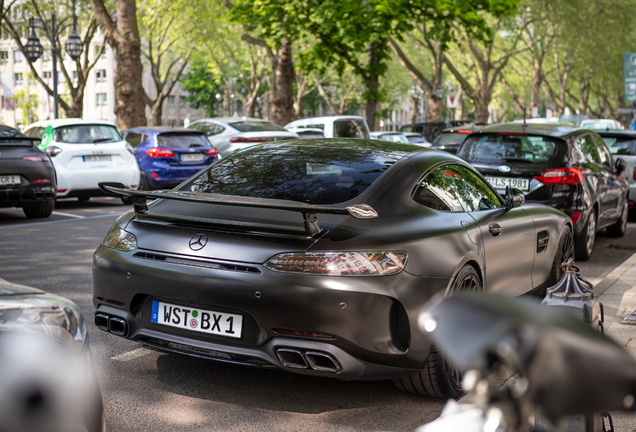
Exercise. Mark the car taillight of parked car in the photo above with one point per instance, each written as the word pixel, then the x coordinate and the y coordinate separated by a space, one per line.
pixel 158 152
pixel 38 158
pixel 53 151
pixel 212 151
pixel 247 140
pixel 339 263
pixel 561 176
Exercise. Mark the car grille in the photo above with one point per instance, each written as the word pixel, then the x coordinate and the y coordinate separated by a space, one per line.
pixel 196 262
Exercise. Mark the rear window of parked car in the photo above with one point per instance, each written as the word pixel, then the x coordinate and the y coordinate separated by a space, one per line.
pixel 352 128
pixel 621 145
pixel 506 149
pixel 182 140
pixel 85 134
pixel 296 173
pixel 449 138
pixel 252 126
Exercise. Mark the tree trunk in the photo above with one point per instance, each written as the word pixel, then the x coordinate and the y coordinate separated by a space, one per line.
pixel 481 109
pixel 157 113
pixel 283 99
pixel 371 82
pixel 435 107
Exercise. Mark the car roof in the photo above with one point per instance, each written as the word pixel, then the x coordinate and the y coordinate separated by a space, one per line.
pixel 615 132
pixel 551 129
pixel 69 122
pixel 599 120
pixel 228 120
pixel 301 130
pixel 412 134
pixel 155 130
pixel 387 133
pixel 323 119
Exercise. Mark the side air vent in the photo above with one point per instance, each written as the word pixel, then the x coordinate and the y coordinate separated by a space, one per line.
pixel 543 237
pixel 197 262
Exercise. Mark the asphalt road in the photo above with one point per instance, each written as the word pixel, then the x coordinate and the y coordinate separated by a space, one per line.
pixel 144 390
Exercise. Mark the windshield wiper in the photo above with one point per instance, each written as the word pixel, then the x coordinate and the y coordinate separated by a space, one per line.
pixel 101 140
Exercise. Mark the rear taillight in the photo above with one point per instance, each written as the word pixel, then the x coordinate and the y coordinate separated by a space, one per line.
pixel 635 173
pixel 575 217
pixel 41 181
pixel 39 158
pixel 339 263
pixel 463 131
pixel 212 151
pixel 247 140
pixel 53 150
pixel 158 152
pixel 561 176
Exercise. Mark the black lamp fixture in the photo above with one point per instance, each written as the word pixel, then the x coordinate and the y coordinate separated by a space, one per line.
pixel 439 92
pixel 74 45
pixel 33 49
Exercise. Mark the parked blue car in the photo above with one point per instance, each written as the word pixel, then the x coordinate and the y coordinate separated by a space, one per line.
pixel 167 156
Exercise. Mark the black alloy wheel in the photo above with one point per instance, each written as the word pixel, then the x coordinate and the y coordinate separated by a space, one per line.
pixel 564 251
pixel 439 378
pixel 584 245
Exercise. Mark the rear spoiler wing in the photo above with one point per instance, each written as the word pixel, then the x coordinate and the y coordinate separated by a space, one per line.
pixel 309 211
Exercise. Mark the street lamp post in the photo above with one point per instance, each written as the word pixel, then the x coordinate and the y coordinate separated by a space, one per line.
pixel 33 48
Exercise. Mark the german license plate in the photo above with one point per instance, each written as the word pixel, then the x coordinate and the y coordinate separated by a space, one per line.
pixel 98 158
pixel 194 157
pixel 502 182
pixel 204 321
pixel 9 180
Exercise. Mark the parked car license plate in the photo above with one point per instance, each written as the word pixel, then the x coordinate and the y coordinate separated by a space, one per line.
pixel 205 321
pixel 9 180
pixel 98 158
pixel 195 157
pixel 502 182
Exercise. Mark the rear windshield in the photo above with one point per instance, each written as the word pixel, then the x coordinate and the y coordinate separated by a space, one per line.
pixel 621 145
pixel 254 126
pixel 597 125
pixel 182 140
pixel 415 139
pixel 308 174
pixel 85 134
pixel 310 134
pixel 350 128
pixel 393 138
pixel 506 149
pixel 12 137
pixel 449 138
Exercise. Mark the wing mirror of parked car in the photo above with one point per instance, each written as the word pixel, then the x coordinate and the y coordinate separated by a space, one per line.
pixel 620 166
pixel 514 197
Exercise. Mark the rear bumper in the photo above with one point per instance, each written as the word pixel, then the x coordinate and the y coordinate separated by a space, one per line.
pixel 373 320
pixel 87 180
pixel 163 175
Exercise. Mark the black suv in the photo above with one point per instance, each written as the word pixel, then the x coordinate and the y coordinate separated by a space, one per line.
pixel 562 166
pixel 452 138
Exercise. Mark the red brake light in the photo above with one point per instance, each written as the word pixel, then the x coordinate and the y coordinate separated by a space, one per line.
pixel 464 131
pixel 575 217
pixel 635 173
pixel 561 176
pixel 39 158
pixel 212 151
pixel 157 152
pixel 41 181
pixel 247 140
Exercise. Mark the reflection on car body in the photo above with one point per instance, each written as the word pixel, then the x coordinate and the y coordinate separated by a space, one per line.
pixel 327 249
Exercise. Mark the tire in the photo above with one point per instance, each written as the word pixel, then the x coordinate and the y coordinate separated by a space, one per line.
pixel 43 210
pixel 619 228
pixel 564 251
pixel 584 244
pixel 83 199
pixel 439 378
pixel 143 183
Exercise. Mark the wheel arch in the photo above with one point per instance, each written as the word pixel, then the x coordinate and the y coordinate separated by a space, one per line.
pixel 472 260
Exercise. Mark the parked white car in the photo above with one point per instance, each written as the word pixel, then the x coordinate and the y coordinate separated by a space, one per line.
pixel 602 124
pixel 84 153
pixel 229 134
pixel 398 137
pixel 334 126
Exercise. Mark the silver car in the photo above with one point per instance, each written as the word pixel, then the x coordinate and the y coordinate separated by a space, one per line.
pixel 229 134
pixel 622 144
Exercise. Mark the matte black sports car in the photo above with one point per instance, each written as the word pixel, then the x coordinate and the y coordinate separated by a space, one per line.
pixel 559 165
pixel 27 176
pixel 315 256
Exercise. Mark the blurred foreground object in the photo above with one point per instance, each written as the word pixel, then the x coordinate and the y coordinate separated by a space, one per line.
pixel 48 382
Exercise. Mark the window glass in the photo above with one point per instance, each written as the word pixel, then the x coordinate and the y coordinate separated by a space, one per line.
pixel 7 133
pixel 606 157
pixel 449 138
pixel 621 145
pixel 433 192
pixel 352 128
pixel 256 126
pixel 394 138
pixel 589 149
pixel 473 192
pixel 210 129
pixel 84 134
pixel 416 139
pixel 308 174
pixel 509 149
pixel 182 140
pixel 133 138
pixel 38 132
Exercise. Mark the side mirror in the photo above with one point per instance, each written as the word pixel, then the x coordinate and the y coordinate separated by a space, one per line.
pixel 620 166
pixel 514 197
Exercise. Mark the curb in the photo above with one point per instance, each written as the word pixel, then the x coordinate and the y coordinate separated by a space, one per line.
pixel 614 276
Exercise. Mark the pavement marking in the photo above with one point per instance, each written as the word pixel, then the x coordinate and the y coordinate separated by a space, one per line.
pixel 131 355
pixel 57 221
pixel 68 214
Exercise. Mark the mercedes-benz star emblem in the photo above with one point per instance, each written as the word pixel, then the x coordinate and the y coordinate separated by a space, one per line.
pixel 198 242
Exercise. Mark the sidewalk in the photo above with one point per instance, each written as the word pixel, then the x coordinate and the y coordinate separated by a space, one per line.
pixel 617 292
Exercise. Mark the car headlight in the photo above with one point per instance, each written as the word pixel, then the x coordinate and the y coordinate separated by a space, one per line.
pixel 52 315
pixel 120 240
pixel 340 263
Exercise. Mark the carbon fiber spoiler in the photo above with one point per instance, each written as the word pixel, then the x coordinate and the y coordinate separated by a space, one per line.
pixel 309 211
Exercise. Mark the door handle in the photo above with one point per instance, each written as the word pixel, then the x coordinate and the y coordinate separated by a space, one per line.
pixel 495 229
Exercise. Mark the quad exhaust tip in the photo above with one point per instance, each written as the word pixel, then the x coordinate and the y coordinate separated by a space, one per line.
pixel 114 325
pixel 317 360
